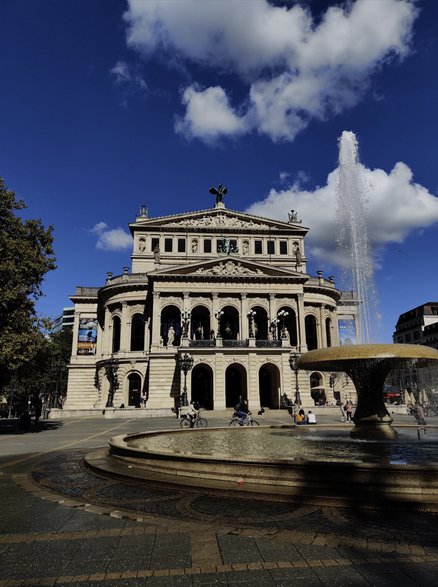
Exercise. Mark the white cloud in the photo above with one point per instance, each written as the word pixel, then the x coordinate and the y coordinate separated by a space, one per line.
pixel 208 115
pixel 111 239
pixel 294 69
pixel 125 74
pixel 396 207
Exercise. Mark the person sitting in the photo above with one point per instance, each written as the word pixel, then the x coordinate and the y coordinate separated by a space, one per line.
pixel 311 418
pixel 300 418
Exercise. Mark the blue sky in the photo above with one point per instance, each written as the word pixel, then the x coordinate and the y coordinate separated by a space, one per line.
pixel 106 105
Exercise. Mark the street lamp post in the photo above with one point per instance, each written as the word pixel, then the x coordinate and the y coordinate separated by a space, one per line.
pixel 251 314
pixel 293 361
pixel 218 317
pixel 185 364
pixel 282 315
pixel 111 368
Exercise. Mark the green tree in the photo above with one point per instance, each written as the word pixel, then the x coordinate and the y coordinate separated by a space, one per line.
pixel 26 255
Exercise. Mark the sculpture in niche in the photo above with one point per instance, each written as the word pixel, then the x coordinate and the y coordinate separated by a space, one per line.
pixel 141 245
pixel 170 336
pixel 157 253
pixel 194 246
pixel 245 247
pixel 297 255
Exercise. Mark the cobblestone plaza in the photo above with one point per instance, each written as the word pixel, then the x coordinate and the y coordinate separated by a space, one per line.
pixel 62 525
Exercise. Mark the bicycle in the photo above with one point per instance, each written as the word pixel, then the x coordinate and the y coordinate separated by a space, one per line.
pixel 248 420
pixel 198 422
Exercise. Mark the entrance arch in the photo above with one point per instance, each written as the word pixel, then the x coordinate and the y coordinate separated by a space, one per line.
pixel 229 323
pixel 134 390
pixel 236 387
pixel 202 386
pixel 171 326
pixel 317 389
pixel 269 386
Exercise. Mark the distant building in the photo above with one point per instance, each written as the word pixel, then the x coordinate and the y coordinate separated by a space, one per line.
pixel 418 326
pixel 65 320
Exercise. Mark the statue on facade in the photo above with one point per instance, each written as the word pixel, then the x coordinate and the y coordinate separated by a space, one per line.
pixel 219 192
pixel 157 253
pixel 170 335
pixel 297 255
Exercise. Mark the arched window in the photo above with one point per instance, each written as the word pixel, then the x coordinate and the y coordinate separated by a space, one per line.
pixel 328 331
pixel 137 333
pixel 116 334
pixel 311 336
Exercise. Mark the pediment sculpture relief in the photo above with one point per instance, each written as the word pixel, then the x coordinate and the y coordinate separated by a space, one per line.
pixel 229 268
pixel 219 221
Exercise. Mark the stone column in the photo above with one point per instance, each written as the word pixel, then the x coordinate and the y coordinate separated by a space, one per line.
pixel 323 339
pixel 302 344
pixel 244 327
pixel 125 329
pixel 107 342
pixel 156 319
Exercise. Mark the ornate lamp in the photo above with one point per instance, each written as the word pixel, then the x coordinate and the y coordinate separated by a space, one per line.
pixel 282 315
pixel 185 363
pixel 251 315
pixel 111 368
pixel 293 360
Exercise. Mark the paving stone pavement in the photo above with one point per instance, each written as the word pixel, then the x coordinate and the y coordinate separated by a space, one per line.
pixel 60 524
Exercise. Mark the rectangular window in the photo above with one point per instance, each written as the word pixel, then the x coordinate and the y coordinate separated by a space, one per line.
pixel 207 245
pixel 283 247
pixel 219 245
pixel 181 245
pixel 168 242
pixel 155 242
pixel 271 248
pixel 233 244
pixel 258 247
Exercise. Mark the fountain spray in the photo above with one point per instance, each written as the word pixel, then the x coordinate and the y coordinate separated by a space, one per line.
pixel 353 241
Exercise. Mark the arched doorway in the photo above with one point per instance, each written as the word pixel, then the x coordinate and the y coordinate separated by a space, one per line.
pixel 317 389
pixel 235 385
pixel 229 323
pixel 134 390
pixel 269 386
pixel 328 331
pixel 260 323
pixel 311 332
pixel 137 332
pixel 171 326
pixel 290 324
pixel 200 324
pixel 202 386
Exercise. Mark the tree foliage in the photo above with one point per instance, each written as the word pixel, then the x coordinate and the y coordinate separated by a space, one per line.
pixel 26 255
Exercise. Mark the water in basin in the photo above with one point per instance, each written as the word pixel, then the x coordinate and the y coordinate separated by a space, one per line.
pixel 306 444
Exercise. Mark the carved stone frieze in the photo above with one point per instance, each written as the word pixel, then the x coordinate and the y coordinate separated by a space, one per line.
pixel 229 268
pixel 166 300
pixel 219 221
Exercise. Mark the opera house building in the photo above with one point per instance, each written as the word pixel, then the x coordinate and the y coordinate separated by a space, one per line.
pixel 217 306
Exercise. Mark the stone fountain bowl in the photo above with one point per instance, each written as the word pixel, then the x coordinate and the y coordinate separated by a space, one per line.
pixel 368 365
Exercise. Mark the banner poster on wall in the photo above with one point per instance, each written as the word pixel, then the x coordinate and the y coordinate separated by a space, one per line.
pixel 347 331
pixel 87 336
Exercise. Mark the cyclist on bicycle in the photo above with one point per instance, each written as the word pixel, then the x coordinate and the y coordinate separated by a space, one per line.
pixel 193 411
pixel 241 410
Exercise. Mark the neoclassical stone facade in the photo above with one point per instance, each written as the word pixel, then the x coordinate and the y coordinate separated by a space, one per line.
pixel 228 289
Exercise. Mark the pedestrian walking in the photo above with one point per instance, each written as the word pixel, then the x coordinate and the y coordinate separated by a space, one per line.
pixel 349 410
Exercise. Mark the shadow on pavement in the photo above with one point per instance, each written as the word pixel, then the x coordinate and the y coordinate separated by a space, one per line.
pixel 15 426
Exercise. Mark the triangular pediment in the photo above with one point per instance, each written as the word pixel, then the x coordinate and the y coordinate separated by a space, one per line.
pixel 220 218
pixel 228 266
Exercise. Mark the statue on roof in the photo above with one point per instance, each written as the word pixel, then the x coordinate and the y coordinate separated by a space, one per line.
pixel 219 192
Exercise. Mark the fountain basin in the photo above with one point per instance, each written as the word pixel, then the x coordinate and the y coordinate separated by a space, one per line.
pixel 363 474
pixel 368 365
